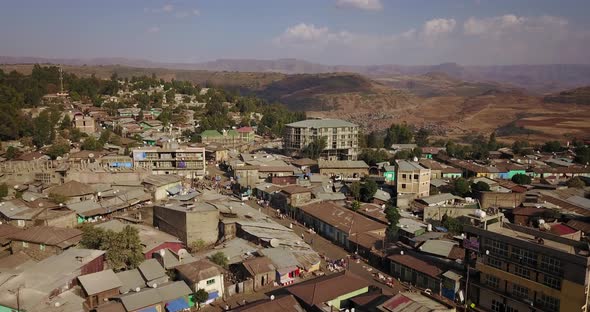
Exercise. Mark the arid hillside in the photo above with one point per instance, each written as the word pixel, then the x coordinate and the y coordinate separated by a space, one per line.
pixel 452 108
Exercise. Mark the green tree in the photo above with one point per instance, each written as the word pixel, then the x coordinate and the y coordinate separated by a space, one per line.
pixel 492 143
pixel 575 182
pixel 197 245
pixel 368 190
pixel 66 122
pixel 58 149
pixel 519 146
pixel 200 297
pixel 91 144
pixel 11 153
pixel 315 148
pixel 123 249
pixel 480 187
pixel 374 140
pixel 43 133
pixel 355 205
pixel 397 134
pixel 461 187
pixel 219 258
pixel 421 137
pixel 521 179
pixel 372 157
pixel 3 190
pixel 393 215
pixel 582 155
pixel 452 224
pixel 551 147
pixel 355 190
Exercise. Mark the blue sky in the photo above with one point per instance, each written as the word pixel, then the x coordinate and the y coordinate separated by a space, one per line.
pixel 327 31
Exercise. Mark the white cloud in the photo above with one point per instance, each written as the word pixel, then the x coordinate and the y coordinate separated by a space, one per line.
pixel 368 5
pixel 153 30
pixel 439 26
pixel 167 8
pixel 510 23
pixel 506 39
pixel 196 12
pixel 304 32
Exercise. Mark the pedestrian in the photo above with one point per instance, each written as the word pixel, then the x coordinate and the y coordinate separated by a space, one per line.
pixel 311 243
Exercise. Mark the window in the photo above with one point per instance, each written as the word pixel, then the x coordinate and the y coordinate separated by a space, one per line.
pixel 492 281
pixel 494 262
pixel 497 306
pixel 552 282
pixel 521 271
pixel 403 176
pixel 403 185
pixel 416 177
pixel 25 245
pixel 497 248
pixel 210 282
pixel 520 291
pixel 550 264
pixel 511 309
pixel 524 256
pixel 548 303
pixel 41 247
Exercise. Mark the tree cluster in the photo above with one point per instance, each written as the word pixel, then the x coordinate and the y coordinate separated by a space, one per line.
pixel 123 249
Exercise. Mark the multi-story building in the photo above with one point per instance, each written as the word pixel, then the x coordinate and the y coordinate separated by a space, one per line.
pixel 523 269
pixel 341 138
pixel 85 124
pixel 412 179
pixel 171 159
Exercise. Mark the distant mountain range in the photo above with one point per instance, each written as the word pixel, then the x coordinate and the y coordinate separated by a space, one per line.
pixel 535 78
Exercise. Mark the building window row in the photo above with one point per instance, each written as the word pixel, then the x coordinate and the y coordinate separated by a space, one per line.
pixel 548 303
pixel 520 291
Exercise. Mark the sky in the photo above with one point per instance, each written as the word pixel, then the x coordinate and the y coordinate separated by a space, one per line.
pixel 334 32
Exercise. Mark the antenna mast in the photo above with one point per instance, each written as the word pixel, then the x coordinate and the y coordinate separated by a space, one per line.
pixel 61 80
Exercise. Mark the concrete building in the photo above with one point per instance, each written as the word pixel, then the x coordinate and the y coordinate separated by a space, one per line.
pixel 204 275
pixel 172 159
pixel 162 186
pixel 85 124
pixel 412 179
pixel 341 138
pixel 524 269
pixel 190 223
pixel 345 170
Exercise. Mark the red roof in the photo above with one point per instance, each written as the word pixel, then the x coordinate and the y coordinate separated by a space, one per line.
pixel 245 129
pixel 562 229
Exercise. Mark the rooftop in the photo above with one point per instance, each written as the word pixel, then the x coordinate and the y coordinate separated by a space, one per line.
pixel 199 270
pixel 343 219
pixel 321 123
pixel 337 164
pixel 323 289
pixel 98 282
pixel 48 235
pixel 405 165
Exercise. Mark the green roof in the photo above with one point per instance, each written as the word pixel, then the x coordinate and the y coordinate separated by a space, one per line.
pixel 210 133
pixel 232 133
pixel 321 123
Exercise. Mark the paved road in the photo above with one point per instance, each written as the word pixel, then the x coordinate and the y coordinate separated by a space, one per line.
pixel 332 251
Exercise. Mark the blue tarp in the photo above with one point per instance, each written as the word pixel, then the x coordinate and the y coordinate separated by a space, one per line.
pixel 441 229
pixel 177 305
pixel 213 295
pixel 174 190
pixel 150 309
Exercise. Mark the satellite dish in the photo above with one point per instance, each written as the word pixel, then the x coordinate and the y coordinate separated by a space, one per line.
pixel 154 285
pixel 91 155
pixel 162 252
pixel 274 243
pixel 137 289
pixel 57 304
pixel 272 297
